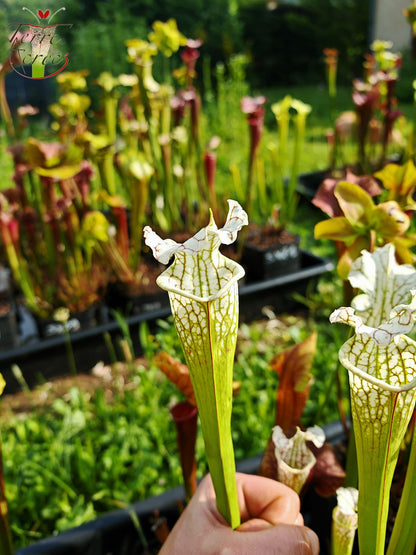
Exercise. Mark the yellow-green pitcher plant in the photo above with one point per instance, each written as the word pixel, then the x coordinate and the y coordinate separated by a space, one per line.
pixel 344 521
pixel 294 458
pixel 203 293
pixel 403 536
pixel 381 361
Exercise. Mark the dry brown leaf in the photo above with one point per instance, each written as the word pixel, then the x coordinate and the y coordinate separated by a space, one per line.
pixel 268 465
pixel 293 366
pixel 327 474
pixel 177 373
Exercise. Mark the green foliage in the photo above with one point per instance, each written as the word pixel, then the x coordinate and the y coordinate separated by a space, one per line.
pixel 87 453
pixel 4 42
pixel 84 456
pixel 99 45
pixel 215 22
pixel 407 73
pixel 223 107
pixel 280 43
pixel 286 42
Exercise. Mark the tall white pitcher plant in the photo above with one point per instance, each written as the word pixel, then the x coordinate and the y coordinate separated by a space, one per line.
pixel 203 293
pixel 381 362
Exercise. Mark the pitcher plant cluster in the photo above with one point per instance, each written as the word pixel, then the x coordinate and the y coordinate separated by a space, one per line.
pixel 139 148
pixel 50 231
pixel 272 174
pixel 376 128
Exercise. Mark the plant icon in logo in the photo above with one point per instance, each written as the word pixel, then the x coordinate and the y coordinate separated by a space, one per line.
pixel 37 46
pixel 45 15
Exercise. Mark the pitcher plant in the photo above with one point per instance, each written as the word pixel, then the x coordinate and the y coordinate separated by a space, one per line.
pixel 381 362
pixel 202 287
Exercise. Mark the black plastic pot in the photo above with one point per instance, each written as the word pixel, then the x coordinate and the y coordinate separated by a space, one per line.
pixel 9 335
pixel 308 183
pixel 132 305
pixel 79 321
pixel 43 359
pixel 115 533
pixel 267 263
pixel 278 293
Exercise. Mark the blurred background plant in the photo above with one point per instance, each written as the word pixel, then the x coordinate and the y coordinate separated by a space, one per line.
pixel 376 127
pixel 286 174
pixel 270 194
pixel 49 231
pixel 363 215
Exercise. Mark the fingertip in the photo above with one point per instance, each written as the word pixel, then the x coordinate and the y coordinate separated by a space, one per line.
pixel 313 541
pixel 299 520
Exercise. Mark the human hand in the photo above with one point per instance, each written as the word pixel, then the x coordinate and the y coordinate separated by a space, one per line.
pixel 271 522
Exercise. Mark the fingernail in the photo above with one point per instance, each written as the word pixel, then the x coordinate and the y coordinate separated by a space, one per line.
pixel 313 541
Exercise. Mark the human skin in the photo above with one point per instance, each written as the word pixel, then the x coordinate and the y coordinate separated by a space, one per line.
pixel 271 523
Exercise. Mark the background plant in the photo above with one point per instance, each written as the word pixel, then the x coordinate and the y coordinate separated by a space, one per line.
pixel 49 232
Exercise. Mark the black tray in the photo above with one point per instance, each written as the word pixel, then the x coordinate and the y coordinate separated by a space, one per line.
pixel 42 359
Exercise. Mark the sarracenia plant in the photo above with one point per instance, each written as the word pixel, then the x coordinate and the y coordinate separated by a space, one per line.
pixel 344 521
pixel 381 361
pixel 363 224
pixel 331 66
pixel 254 108
pixel 376 105
pixel 49 232
pixel 185 415
pixel 284 193
pixel 203 292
